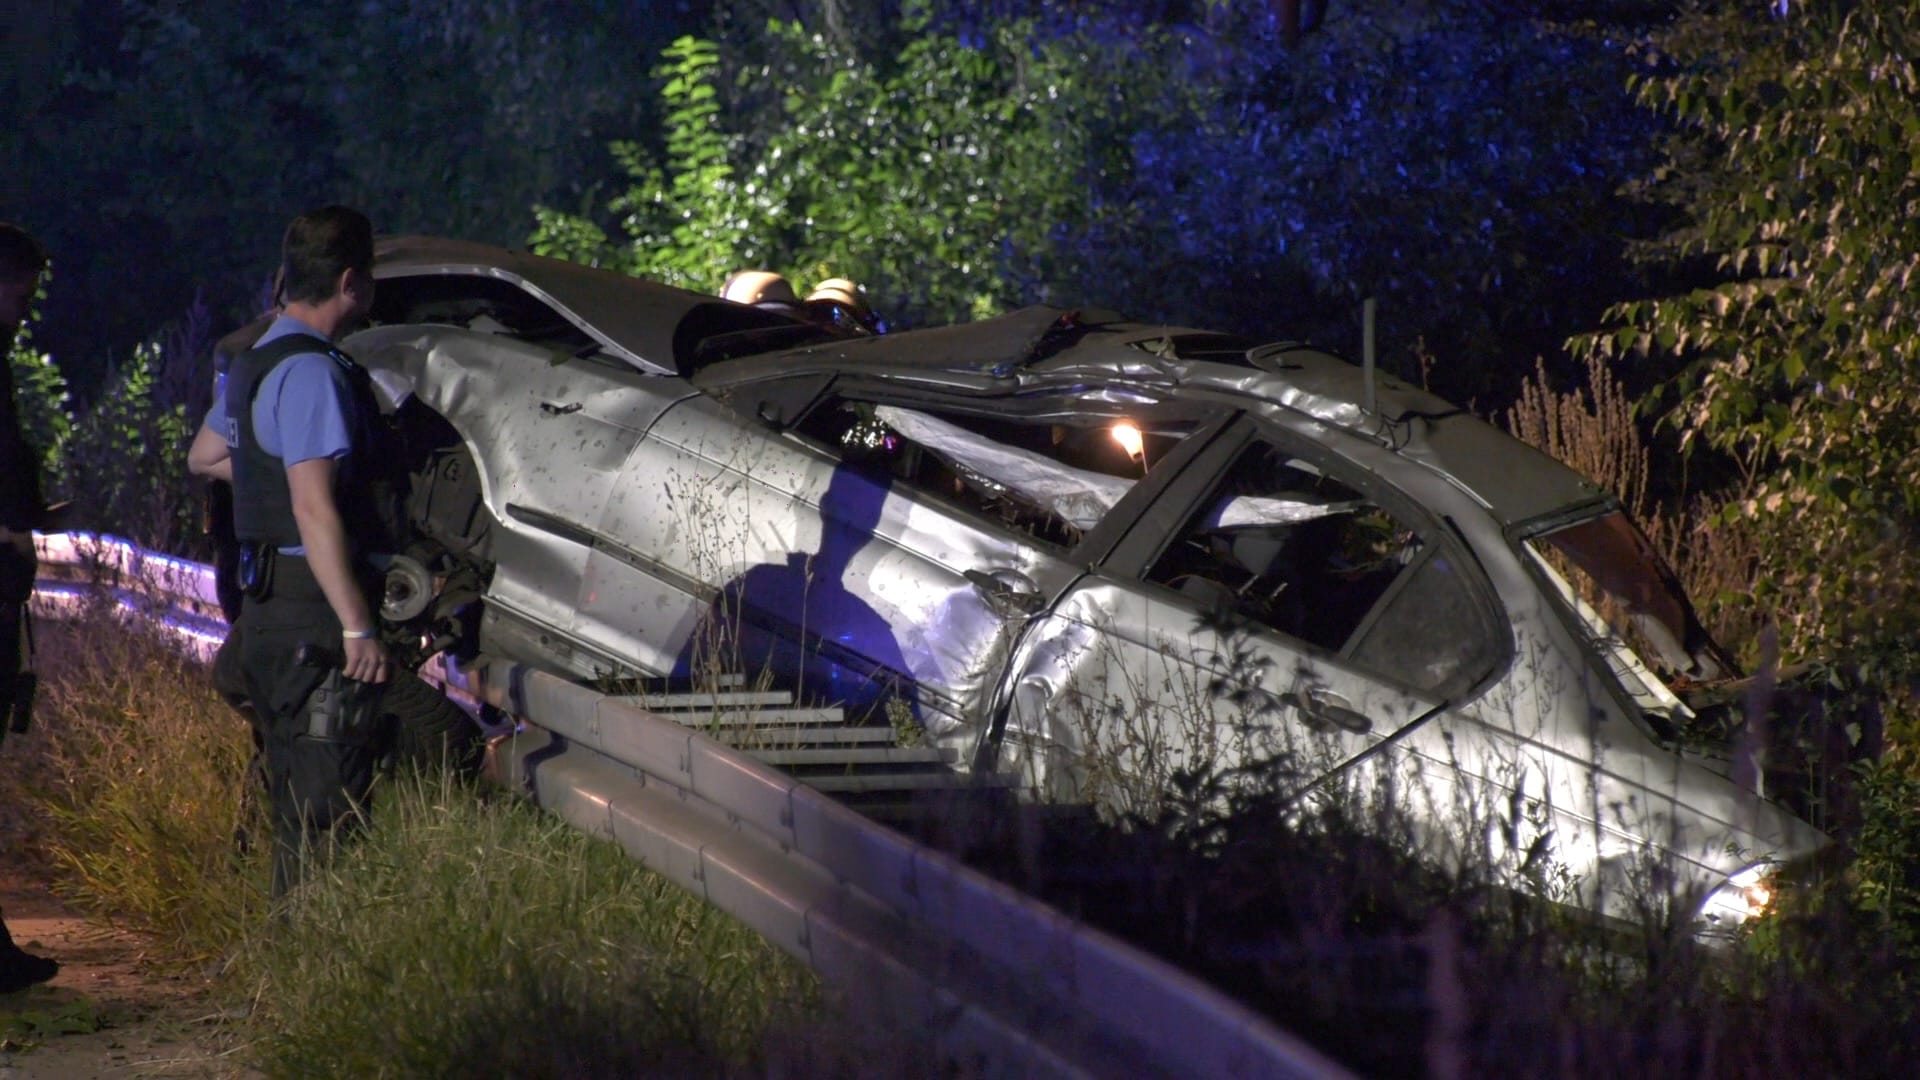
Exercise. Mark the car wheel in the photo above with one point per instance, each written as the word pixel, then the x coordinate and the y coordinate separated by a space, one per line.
pixel 428 731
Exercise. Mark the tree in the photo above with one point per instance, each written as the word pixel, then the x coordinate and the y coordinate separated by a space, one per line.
pixel 1797 173
pixel 1458 164
pixel 940 178
pixel 175 141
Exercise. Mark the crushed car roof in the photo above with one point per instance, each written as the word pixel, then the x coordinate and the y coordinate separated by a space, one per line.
pixel 650 325
pixel 1045 348
pixel 668 330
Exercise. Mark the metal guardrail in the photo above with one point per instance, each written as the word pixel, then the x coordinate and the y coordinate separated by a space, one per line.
pixel 176 595
pixel 911 939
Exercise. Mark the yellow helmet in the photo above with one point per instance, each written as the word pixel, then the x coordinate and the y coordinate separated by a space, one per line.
pixel 838 301
pixel 840 291
pixel 758 287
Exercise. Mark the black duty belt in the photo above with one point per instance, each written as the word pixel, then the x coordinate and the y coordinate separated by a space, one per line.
pixel 269 573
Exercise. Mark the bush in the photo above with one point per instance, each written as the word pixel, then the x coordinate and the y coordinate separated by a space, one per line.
pixel 123 460
pixel 1452 159
pixel 40 392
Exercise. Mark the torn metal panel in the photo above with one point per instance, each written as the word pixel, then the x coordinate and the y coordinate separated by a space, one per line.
pixel 1080 496
pixel 750 552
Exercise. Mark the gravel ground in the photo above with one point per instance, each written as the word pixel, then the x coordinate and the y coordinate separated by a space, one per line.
pixel 110 1012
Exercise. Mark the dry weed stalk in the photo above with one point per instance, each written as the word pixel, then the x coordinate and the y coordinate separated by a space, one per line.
pixel 1592 431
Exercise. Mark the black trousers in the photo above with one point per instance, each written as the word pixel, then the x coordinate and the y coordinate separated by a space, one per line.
pixel 16 588
pixel 13 645
pixel 317 788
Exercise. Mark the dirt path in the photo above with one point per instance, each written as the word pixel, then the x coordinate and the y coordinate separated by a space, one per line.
pixel 109 1013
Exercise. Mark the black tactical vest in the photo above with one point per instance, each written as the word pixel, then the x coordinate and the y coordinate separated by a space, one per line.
pixel 262 501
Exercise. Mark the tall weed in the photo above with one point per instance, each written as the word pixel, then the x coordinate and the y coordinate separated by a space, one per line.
pixel 1592 428
pixel 469 935
pixel 134 780
pixel 1336 917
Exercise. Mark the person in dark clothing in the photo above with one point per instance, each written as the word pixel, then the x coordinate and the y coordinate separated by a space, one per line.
pixel 295 432
pixel 21 263
pixel 219 493
pixel 228 676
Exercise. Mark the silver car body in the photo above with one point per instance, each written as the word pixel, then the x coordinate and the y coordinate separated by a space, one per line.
pixel 658 501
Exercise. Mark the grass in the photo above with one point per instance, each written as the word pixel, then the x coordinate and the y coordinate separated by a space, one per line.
pixel 135 771
pixel 471 934
pixel 1340 924
pixel 468 933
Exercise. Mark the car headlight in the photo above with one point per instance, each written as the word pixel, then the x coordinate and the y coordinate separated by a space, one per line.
pixel 1747 895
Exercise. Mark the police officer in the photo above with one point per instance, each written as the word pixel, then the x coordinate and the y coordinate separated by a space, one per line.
pixel 229 678
pixel 296 431
pixel 21 262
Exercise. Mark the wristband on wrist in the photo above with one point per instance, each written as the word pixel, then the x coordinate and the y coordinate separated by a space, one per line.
pixel 356 635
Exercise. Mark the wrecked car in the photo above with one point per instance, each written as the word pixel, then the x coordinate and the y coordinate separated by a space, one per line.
pixel 1076 550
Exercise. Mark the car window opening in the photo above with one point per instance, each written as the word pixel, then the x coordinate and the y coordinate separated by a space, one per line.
pixel 1664 712
pixel 1281 543
pixel 1219 348
pixel 1612 566
pixel 1049 480
pixel 485 304
pixel 722 330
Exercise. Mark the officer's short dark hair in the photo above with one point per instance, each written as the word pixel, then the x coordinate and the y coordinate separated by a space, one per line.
pixel 320 246
pixel 21 256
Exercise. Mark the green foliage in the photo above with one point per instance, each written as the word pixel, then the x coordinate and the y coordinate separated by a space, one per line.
pixel 31 1026
pixel 176 140
pixel 932 177
pixel 1798 358
pixel 1450 159
pixel 940 177
pixel 1886 868
pixel 474 935
pixel 1453 160
pixel 687 222
pixel 124 463
pixel 40 393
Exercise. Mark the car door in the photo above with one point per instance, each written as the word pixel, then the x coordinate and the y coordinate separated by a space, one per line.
pixel 1277 606
pixel 550 416
pixel 561 434
pixel 860 550
pixel 703 498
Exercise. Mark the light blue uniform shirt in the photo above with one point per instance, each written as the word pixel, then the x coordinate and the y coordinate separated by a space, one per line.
pixel 298 414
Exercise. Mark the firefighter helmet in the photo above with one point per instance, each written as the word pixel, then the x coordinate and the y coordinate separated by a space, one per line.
pixel 839 302
pixel 761 287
